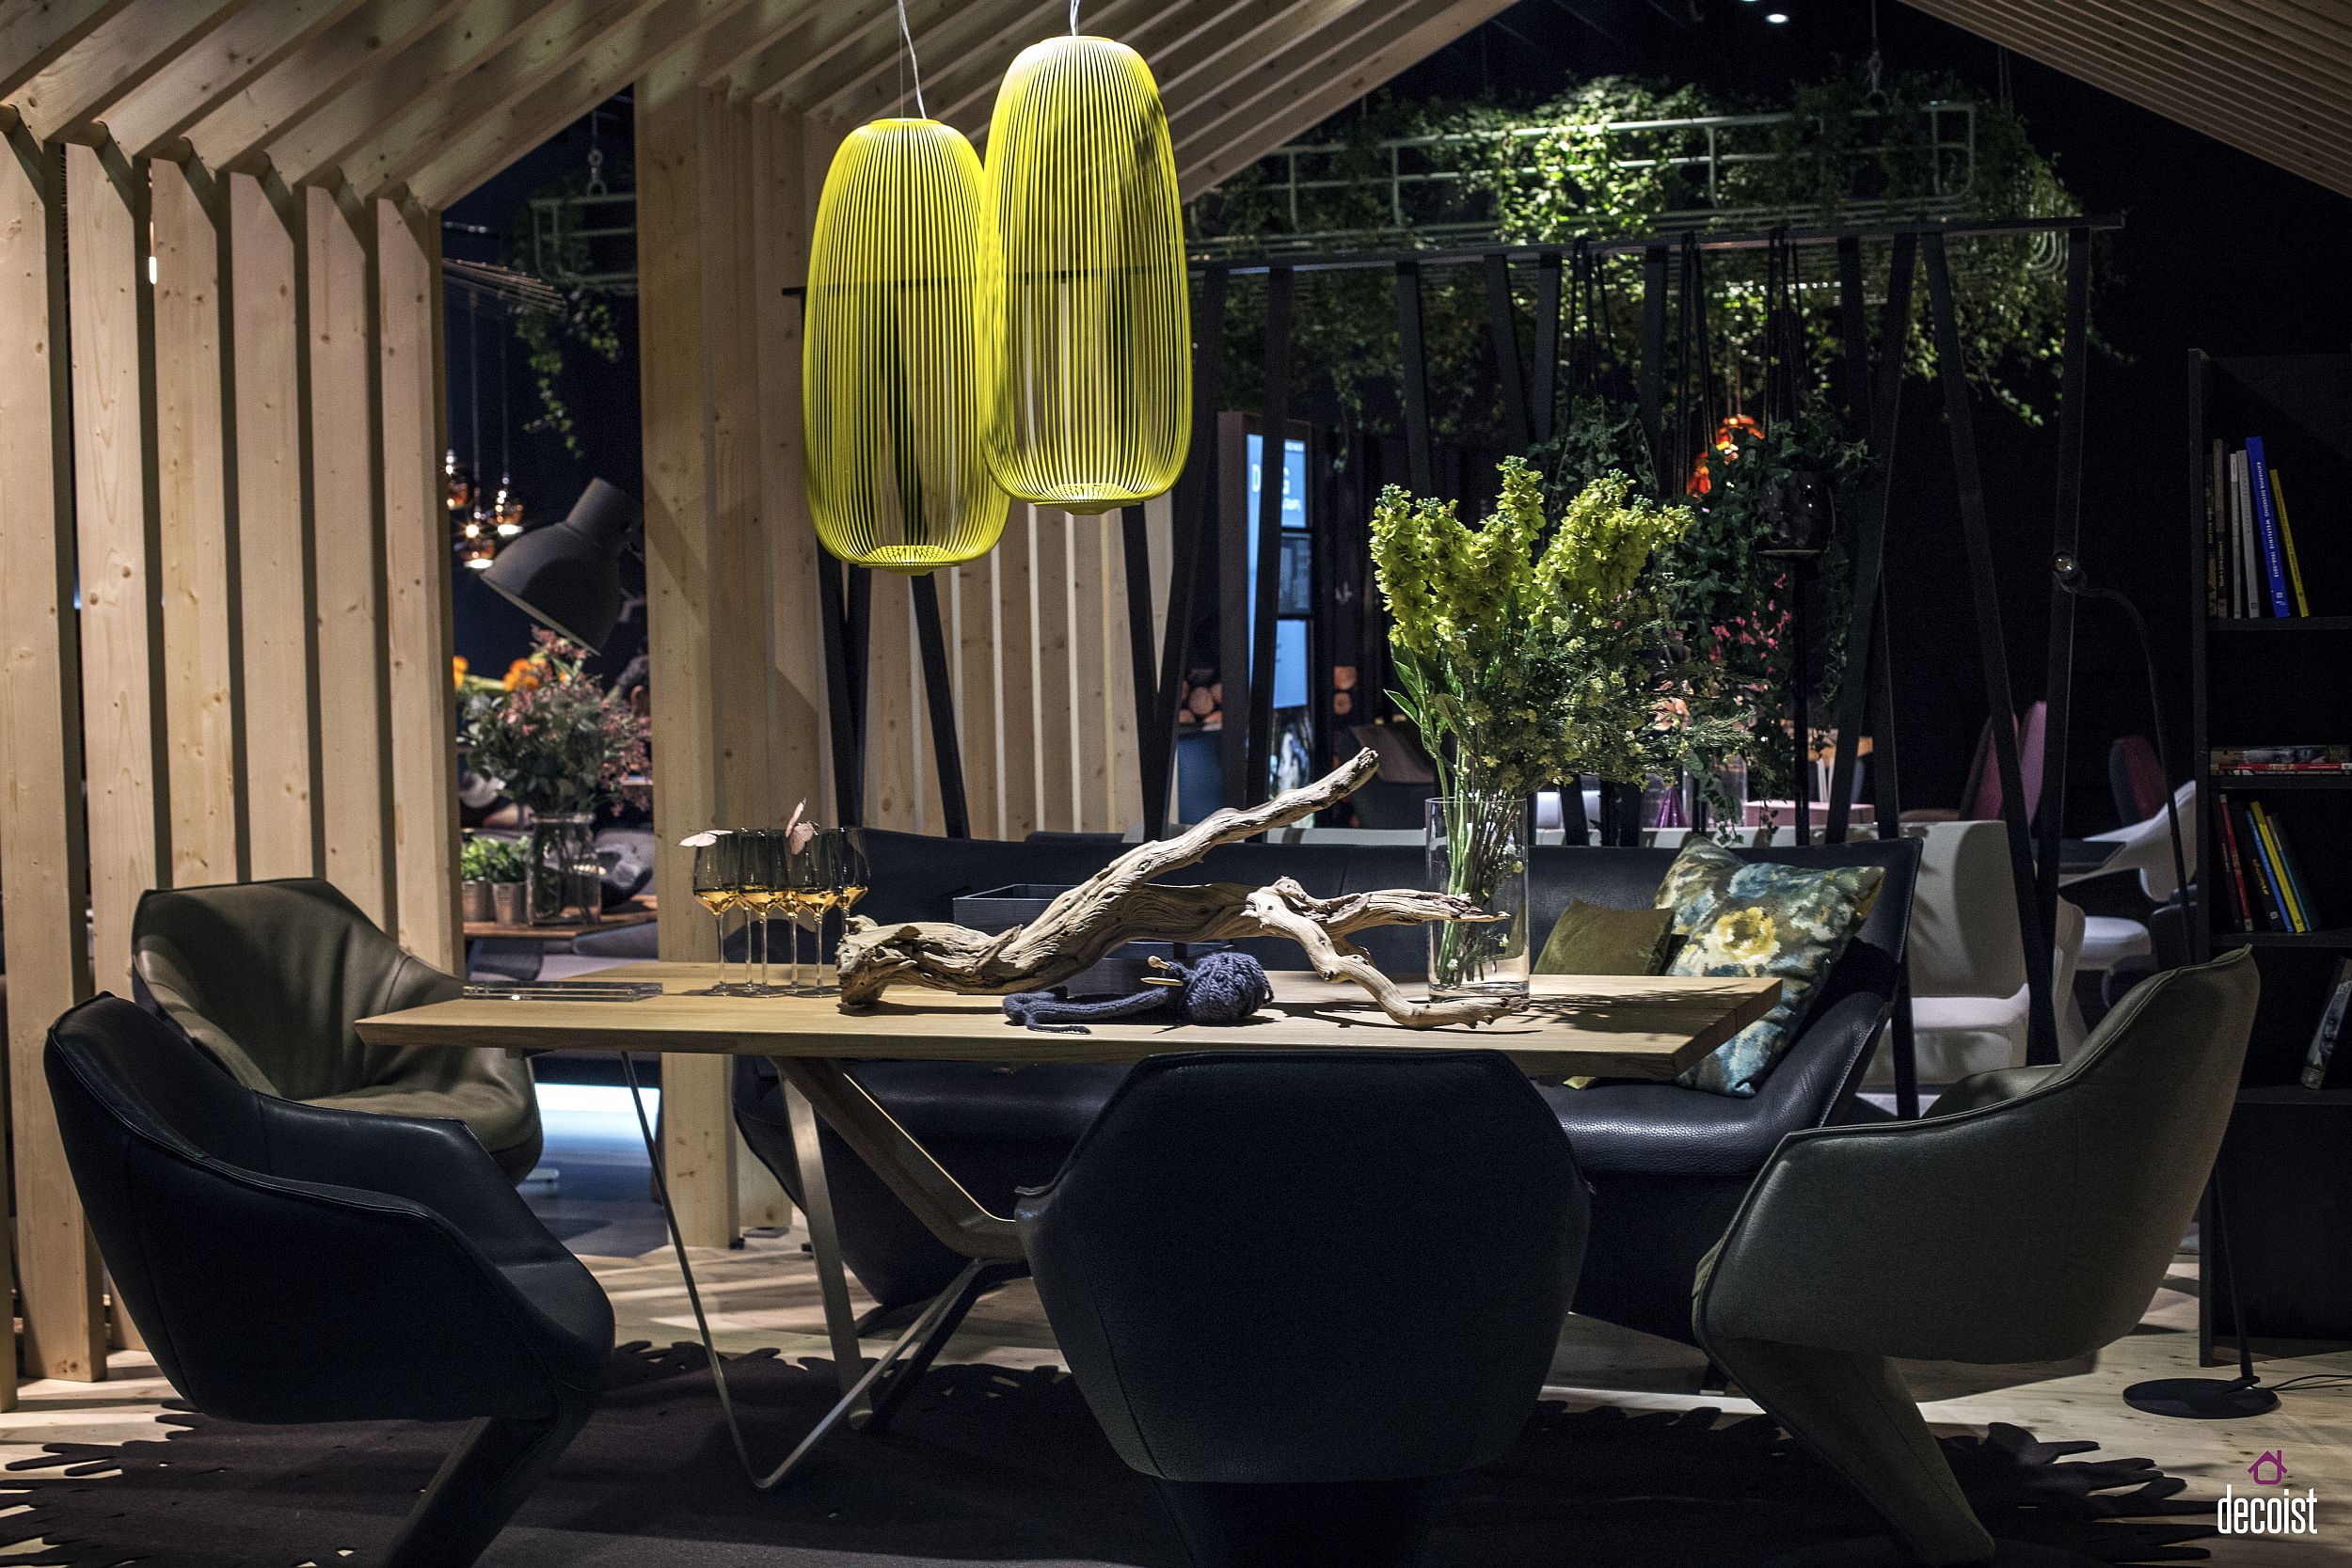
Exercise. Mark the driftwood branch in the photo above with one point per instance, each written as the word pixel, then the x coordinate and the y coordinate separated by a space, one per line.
pixel 1121 904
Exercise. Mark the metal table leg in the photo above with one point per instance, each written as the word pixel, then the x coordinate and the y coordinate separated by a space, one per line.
pixel 833 1283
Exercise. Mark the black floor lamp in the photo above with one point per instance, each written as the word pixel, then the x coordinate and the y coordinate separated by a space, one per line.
pixel 2190 1397
pixel 567 578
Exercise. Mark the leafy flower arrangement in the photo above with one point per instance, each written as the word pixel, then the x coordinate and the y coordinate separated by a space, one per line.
pixel 556 741
pixel 1540 660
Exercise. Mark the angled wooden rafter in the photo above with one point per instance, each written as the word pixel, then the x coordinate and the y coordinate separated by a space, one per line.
pixel 842 37
pixel 34 37
pixel 312 76
pixel 66 100
pixel 153 117
pixel 627 54
pixel 973 38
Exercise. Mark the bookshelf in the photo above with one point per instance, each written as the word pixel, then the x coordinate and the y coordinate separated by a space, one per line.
pixel 2270 681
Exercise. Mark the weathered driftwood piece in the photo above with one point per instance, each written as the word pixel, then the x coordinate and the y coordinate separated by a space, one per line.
pixel 1121 904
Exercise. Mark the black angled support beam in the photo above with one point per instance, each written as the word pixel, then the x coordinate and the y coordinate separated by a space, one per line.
pixel 1503 326
pixel 1869 683
pixel 1975 534
pixel 2065 541
pixel 842 713
pixel 1544 386
pixel 1414 376
pixel 1650 384
pixel 1154 742
pixel 938 690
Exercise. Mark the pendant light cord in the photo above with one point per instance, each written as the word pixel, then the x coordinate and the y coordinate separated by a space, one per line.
pixel 912 64
pixel 1074 17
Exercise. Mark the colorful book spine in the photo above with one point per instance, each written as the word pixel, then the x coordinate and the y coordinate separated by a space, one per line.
pixel 2290 874
pixel 2330 1027
pixel 2286 539
pixel 2215 492
pixel 2273 889
pixel 2274 561
pixel 2233 861
pixel 2241 537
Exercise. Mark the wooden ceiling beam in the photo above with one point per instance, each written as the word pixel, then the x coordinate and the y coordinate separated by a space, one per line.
pixel 839 39
pixel 2141 72
pixel 67 99
pixel 414 81
pixel 1214 149
pixel 36 34
pixel 546 54
pixel 202 76
pixel 2324 71
pixel 720 54
pixel 963 91
pixel 624 56
pixel 310 77
pixel 971 35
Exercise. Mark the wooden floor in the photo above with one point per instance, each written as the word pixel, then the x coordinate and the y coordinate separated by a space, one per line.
pixel 766 1294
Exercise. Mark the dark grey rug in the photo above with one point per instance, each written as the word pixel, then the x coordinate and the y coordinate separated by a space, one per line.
pixel 987 1465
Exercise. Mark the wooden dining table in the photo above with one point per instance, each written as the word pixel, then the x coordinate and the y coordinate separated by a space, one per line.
pixel 1647 1027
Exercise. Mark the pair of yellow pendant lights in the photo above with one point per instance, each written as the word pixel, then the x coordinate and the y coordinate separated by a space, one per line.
pixel 975 335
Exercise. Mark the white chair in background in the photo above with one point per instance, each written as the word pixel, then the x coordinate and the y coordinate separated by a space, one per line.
pixel 2144 847
pixel 1969 999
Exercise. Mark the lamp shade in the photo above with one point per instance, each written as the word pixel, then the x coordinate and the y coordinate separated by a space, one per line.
pixel 567 578
pixel 904 335
pixel 1098 359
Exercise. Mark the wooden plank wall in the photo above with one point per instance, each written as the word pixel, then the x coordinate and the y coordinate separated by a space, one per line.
pixel 227 595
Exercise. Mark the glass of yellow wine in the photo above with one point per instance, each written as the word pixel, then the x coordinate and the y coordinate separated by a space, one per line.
pixel 761 888
pixel 717 857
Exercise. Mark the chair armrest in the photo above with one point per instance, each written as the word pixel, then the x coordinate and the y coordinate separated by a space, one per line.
pixel 1979 1090
pixel 434 1164
pixel 1949 1239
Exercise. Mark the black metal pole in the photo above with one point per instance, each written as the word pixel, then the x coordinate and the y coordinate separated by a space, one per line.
pixel 1503 326
pixel 841 711
pixel 1414 376
pixel 2065 542
pixel 932 638
pixel 1190 517
pixel 1274 431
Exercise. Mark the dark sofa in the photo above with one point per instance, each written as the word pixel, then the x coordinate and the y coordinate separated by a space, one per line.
pixel 1668 1166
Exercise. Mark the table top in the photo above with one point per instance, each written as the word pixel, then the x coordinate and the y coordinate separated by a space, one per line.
pixel 1612 1027
pixel 635 912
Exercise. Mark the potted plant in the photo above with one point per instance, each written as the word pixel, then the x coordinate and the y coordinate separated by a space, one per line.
pixel 507 866
pixel 561 746
pixel 473 875
pixel 1523 664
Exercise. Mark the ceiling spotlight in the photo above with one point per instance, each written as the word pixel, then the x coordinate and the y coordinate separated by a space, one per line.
pixel 1775 17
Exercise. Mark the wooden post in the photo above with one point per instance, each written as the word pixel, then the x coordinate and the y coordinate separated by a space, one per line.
pixel 44 870
pixel 347 473
pixel 203 698
pixel 424 710
pixel 683 633
pixel 268 317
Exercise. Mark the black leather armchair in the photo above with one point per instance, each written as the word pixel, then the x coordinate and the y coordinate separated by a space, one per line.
pixel 2027 1218
pixel 296 1264
pixel 271 977
pixel 1219 1262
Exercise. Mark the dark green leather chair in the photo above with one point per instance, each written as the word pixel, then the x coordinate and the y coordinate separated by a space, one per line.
pixel 2030 1217
pixel 270 977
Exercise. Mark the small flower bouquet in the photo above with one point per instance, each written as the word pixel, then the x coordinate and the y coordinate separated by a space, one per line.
pixel 553 739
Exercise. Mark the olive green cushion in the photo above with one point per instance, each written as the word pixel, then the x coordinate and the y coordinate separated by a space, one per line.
pixel 271 977
pixel 1738 918
pixel 1594 939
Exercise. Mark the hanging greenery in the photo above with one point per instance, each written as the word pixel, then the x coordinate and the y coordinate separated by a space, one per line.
pixel 547 336
pixel 1551 173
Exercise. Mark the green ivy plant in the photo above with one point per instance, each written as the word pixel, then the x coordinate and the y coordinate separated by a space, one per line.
pixel 547 336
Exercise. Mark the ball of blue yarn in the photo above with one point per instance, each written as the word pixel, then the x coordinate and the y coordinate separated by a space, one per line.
pixel 1222 988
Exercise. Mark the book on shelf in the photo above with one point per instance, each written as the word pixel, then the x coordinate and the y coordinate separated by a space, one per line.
pixel 2243 762
pixel 2240 900
pixel 2266 891
pixel 2252 570
pixel 2330 1027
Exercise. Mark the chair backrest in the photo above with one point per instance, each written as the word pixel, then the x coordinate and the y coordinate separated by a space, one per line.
pixel 271 976
pixel 1963 917
pixel 1281 1267
pixel 2135 777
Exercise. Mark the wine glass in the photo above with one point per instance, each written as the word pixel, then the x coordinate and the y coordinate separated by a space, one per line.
pixel 851 874
pixel 807 881
pixel 760 887
pixel 717 879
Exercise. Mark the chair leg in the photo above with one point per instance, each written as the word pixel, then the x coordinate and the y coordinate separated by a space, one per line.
pixel 1363 1524
pixel 1853 1413
pixel 481 1485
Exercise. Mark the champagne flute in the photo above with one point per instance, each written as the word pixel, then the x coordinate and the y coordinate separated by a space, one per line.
pixel 807 881
pixel 813 876
pixel 759 893
pixel 717 865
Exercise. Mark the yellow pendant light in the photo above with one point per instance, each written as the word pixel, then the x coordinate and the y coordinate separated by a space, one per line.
pixel 900 376
pixel 1098 355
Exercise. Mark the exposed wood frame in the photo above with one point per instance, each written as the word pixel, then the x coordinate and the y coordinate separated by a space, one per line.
pixel 975 40
pixel 347 484
pixel 516 127
pixel 1430 28
pixel 44 872
pixel 420 80
pixel 721 52
pixel 422 643
pixel 313 75
pixel 796 74
pixel 66 100
pixel 269 313
pixel 151 119
pixel 35 35
pixel 549 51
pixel 962 91
pixel 204 688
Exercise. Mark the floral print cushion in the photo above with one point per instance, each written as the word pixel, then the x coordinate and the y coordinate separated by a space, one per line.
pixel 1738 918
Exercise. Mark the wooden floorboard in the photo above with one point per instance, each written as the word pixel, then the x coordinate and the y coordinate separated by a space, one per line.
pixel 765 1294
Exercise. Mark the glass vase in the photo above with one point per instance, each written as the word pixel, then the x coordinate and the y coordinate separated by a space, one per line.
pixel 1478 851
pixel 565 885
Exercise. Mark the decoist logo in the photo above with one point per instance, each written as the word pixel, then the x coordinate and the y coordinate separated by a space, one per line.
pixel 2280 1513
